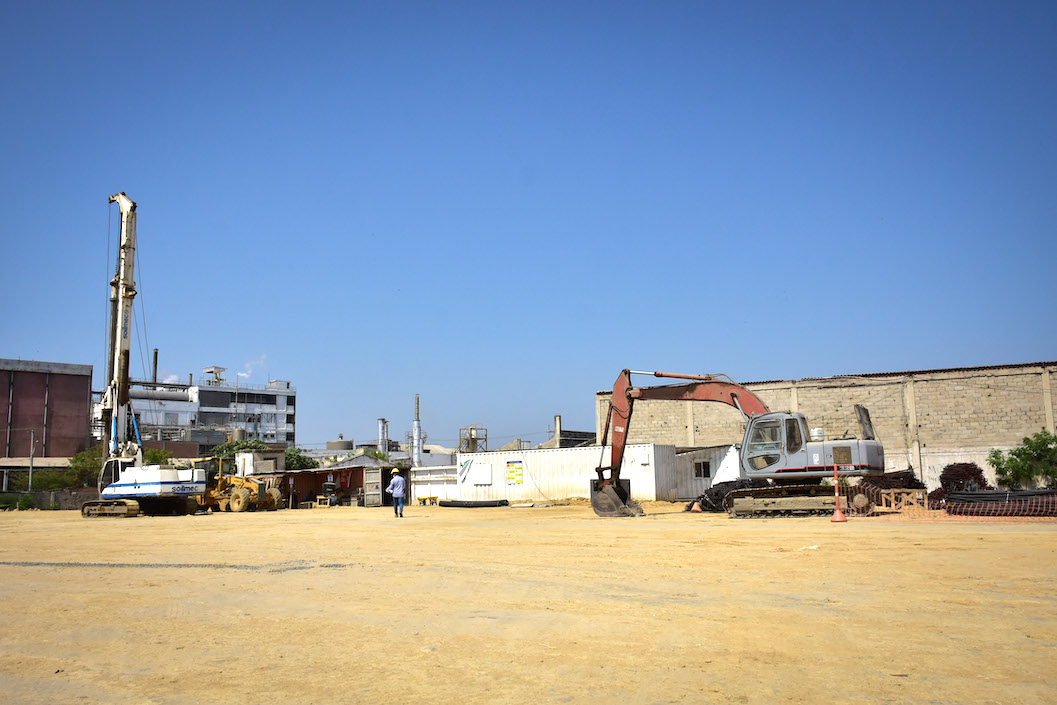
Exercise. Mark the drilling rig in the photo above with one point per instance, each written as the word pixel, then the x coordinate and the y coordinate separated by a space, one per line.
pixel 127 487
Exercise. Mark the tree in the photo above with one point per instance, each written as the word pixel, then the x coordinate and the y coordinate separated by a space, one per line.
pixel 228 450
pixel 85 467
pixel 297 460
pixel 1034 460
pixel 156 456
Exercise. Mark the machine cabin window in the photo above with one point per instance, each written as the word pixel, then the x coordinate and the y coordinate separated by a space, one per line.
pixel 794 439
pixel 767 435
pixel 765 445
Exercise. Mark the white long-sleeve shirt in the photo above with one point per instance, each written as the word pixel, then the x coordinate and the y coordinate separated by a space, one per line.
pixel 396 486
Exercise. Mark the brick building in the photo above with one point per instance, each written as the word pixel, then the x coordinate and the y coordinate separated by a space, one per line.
pixel 46 403
pixel 925 419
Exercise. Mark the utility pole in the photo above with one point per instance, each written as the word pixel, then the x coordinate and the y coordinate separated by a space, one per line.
pixel 32 442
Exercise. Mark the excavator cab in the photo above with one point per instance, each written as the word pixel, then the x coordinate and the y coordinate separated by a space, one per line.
pixel 777 447
pixel 774 443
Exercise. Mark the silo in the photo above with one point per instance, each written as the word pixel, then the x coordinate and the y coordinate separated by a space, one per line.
pixel 341 444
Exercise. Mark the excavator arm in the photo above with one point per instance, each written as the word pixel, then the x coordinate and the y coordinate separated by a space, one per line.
pixel 611 496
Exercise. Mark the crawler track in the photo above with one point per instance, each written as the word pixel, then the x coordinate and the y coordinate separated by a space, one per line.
pixel 148 506
pixel 782 500
pixel 113 508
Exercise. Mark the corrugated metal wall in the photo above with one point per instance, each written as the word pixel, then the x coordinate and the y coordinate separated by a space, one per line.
pixel 550 474
pixel 433 481
pixel 723 464
pixel 665 474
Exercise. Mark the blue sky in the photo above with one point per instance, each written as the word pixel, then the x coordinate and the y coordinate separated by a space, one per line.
pixel 500 205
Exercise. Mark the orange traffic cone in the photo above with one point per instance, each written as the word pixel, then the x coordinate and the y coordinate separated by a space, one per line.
pixel 838 515
pixel 696 507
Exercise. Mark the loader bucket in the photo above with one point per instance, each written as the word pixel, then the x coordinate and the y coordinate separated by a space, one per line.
pixel 609 500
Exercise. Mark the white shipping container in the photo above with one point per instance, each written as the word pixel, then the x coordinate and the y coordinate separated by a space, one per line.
pixel 547 474
pixel 433 481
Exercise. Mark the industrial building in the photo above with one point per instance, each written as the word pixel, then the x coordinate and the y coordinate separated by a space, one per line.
pixel 211 410
pixel 44 407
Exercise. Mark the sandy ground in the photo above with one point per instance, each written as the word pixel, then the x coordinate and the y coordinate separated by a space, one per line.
pixel 517 605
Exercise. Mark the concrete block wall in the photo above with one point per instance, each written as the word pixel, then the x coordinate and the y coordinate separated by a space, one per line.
pixel 925 419
pixel 980 410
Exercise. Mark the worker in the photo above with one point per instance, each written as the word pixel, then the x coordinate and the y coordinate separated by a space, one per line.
pixel 396 488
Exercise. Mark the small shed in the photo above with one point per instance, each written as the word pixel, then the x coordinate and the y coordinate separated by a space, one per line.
pixel 698 469
pixel 348 476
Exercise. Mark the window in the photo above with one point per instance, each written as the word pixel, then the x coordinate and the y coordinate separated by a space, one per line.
pixel 703 468
pixel 214 399
pixel 765 444
pixel 794 440
pixel 766 436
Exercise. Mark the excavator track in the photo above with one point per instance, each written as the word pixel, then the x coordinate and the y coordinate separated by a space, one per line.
pixel 115 508
pixel 782 500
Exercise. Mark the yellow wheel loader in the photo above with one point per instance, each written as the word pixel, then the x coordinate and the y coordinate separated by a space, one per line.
pixel 228 492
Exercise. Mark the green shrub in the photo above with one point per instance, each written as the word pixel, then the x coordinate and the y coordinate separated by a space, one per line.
pixel 8 501
pixel 228 450
pixel 156 456
pixel 1033 461
pixel 26 501
pixel 53 479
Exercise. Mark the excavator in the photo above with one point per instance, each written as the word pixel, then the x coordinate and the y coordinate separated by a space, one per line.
pixel 781 465
pixel 127 487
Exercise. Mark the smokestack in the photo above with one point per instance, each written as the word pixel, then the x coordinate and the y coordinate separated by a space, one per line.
pixel 383 436
pixel 557 431
pixel 154 374
pixel 416 438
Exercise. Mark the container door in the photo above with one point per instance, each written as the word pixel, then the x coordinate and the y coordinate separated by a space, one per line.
pixel 372 487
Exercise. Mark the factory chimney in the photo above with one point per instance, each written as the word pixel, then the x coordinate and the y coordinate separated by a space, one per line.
pixel 383 436
pixel 416 438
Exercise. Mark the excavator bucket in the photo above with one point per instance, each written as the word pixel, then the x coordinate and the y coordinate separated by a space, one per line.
pixel 609 500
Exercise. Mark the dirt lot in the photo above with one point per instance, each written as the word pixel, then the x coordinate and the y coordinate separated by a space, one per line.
pixel 520 605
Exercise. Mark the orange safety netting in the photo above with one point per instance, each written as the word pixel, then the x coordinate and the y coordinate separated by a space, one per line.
pixel 913 505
